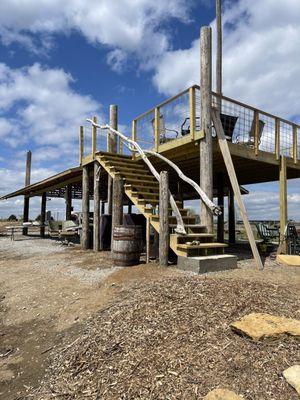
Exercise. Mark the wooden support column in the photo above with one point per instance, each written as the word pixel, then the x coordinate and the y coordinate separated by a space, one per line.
pixel 283 204
pixel 96 220
pixel 102 207
pixel 220 188
pixel 68 202
pixel 26 198
pixel 85 238
pixel 206 149
pixel 111 148
pixel 129 206
pixel 81 145
pixel 43 213
pixel 94 137
pixel 219 48
pixel 164 236
pixel 231 215
pixel 117 204
pixel 148 240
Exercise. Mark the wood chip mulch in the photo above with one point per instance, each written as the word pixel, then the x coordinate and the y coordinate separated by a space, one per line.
pixel 171 340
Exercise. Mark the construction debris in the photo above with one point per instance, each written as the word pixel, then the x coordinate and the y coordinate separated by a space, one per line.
pixel 292 376
pixel 171 339
pixel 265 326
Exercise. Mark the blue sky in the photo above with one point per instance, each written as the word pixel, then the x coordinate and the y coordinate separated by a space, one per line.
pixel 61 63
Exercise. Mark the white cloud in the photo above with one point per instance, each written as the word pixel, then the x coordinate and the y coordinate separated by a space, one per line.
pixel 261 57
pixel 133 26
pixel 47 111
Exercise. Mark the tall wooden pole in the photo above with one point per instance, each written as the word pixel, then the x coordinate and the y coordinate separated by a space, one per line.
pixel 164 236
pixel 96 220
pixel 283 204
pixel 85 239
pixel 219 47
pixel 148 240
pixel 68 202
pixel 206 150
pixel 231 215
pixel 117 204
pixel 111 148
pixel 26 198
pixel 220 187
pixel 43 213
pixel 81 145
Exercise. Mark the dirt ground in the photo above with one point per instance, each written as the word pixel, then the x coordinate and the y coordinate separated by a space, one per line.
pixel 50 293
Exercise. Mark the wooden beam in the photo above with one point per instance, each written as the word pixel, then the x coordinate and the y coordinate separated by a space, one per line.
pixel 235 185
pixel 156 128
pixel 68 202
pixel 295 144
pixel 26 198
pixel 206 147
pixel 283 204
pixel 94 137
pixel 148 240
pixel 164 236
pixel 231 216
pixel 192 101
pixel 277 138
pixel 220 190
pixel 43 214
pixel 85 236
pixel 81 145
pixel 117 204
pixel 96 219
pixel 219 48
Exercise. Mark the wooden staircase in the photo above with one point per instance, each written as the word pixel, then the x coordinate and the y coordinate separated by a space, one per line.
pixel 143 190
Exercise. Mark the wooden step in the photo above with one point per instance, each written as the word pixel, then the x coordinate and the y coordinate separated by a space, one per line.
pixel 137 175
pixel 136 183
pixel 115 156
pixel 125 168
pixel 152 201
pixel 155 217
pixel 183 211
pixel 147 195
pixel 184 246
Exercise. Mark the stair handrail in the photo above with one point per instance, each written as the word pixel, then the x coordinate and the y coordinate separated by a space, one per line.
pixel 211 205
pixel 180 225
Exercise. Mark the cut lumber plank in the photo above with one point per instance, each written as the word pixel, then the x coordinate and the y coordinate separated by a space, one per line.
pixel 184 246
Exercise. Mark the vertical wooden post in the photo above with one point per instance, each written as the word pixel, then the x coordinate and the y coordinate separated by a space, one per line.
pixel 96 219
pixel 94 138
pixel 231 215
pixel 164 236
pixel 206 149
pixel 102 207
pixel 113 122
pixel 68 202
pixel 219 47
pixel 192 100
pixel 134 134
pixel 283 203
pixel 43 213
pixel 220 228
pixel 81 145
pixel 129 206
pixel 156 127
pixel 111 148
pixel 85 236
pixel 277 138
pixel 26 198
pixel 295 144
pixel 256 132
pixel 147 240
pixel 117 204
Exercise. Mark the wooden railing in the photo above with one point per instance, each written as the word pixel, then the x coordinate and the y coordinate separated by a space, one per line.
pixel 180 116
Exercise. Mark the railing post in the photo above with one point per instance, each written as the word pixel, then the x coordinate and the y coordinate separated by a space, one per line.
pixel 277 138
pixel 283 204
pixel 295 144
pixel 192 98
pixel 81 145
pixel 156 127
pixel 164 238
pixel 26 198
pixel 134 134
pixel 256 131
pixel 94 137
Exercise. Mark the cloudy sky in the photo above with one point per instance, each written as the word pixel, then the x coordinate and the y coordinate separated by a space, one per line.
pixel 62 62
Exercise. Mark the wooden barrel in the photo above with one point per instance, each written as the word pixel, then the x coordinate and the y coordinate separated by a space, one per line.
pixel 127 245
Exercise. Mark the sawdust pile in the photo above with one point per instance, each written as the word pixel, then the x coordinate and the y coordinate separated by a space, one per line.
pixel 171 340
